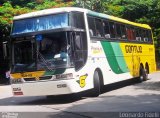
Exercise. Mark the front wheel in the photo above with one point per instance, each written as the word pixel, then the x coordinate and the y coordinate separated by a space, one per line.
pixel 96 81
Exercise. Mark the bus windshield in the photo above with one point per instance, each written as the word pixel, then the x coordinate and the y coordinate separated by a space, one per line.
pixel 52 52
pixel 24 56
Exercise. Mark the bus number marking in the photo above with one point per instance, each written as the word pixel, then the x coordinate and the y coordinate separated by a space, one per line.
pixel 82 80
pixel 133 49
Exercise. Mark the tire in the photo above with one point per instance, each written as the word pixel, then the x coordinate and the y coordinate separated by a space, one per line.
pixel 96 81
pixel 147 69
pixel 143 75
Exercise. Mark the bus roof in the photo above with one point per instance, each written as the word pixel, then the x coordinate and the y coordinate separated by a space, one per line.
pixel 89 12
pixel 48 12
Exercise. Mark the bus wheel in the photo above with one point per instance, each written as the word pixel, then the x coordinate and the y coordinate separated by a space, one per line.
pixel 143 74
pixel 96 90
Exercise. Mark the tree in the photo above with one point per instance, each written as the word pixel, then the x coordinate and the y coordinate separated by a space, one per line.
pixel 95 5
pixel 13 8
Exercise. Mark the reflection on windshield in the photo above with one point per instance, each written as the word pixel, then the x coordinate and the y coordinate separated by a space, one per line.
pixel 53 51
pixel 40 23
pixel 24 56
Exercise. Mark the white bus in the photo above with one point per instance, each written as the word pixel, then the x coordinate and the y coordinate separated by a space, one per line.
pixel 70 50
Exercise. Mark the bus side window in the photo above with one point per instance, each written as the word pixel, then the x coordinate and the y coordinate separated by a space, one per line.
pixel 138 38
pixel 145 36
pixel 123 30
pixel 80 51
pixel 149 35
pixel 118 31
pixel 112 29
pixel 128 33
pixel 106 29
pixel 99 28
pixel 78 20
pixel 131 33
pixel 141 34
pixel 92 28
pixel 78 42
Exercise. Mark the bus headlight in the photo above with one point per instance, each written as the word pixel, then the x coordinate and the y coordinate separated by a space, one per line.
pixel 16 81
pixel 64 76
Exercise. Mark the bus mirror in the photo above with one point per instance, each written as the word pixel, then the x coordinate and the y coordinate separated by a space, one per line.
pixel 5 54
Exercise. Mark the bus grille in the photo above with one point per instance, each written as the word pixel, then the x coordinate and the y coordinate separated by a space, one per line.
pixel 45 77
pixel 29 79
pixel 40 78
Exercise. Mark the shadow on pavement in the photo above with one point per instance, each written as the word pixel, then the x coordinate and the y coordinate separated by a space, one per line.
pixel 42 100
pixel 39 100
pixel 118 85
pixel 149 86
pixel 112 106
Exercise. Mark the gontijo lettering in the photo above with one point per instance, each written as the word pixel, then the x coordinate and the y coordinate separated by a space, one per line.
pixel 133 49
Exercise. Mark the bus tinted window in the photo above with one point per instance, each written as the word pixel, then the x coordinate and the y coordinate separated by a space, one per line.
pixel 99 28
pixel 123 30
pixel 92 28
pixel 149 35
pixel 78 20
pixel 106 29
pixel 118 31
pixel 130 33
pixel 112 29
pixel 138 36
pixel 80 49
pixel 145 37
pixel 141 32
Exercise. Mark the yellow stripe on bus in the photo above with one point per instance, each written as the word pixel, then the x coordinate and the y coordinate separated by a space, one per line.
pixel 28 74
pixel 135 54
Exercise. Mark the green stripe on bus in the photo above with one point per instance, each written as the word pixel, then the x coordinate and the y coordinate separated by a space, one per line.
pixel 119 56
pixel 115 57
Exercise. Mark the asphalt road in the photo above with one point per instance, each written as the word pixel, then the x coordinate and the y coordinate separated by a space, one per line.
pixel 122 100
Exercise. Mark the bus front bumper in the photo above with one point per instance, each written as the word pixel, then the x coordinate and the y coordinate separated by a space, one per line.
pixel 46 88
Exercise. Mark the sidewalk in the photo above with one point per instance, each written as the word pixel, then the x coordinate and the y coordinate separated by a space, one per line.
pixel 5 91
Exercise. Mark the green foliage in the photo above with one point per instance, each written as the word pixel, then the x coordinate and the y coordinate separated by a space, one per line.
pixel 95 5
pixel 11 8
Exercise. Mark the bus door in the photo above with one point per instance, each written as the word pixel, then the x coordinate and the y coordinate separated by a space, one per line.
pixel 79 49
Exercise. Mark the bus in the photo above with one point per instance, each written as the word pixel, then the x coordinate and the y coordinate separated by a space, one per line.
pixel 70 50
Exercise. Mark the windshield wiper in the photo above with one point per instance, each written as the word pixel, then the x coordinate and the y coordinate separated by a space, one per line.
pixel 44 60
